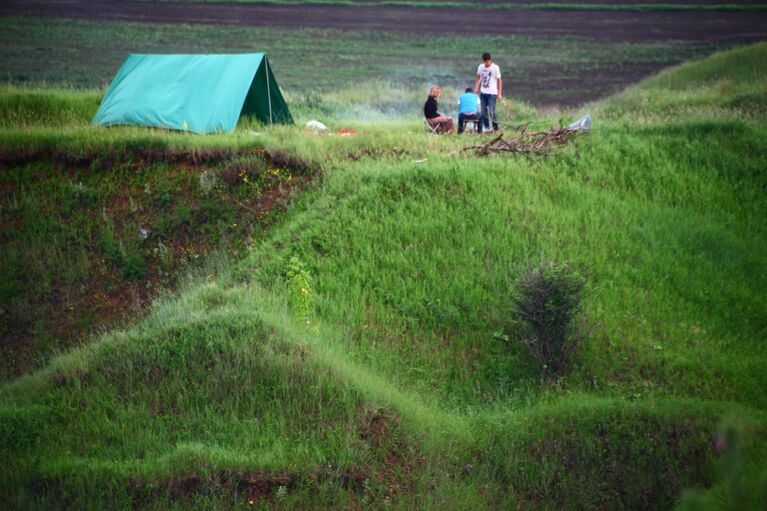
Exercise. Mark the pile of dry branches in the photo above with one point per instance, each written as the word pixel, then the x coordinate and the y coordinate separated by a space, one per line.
pixel 538 143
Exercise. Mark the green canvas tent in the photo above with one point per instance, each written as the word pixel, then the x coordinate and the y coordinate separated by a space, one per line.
pixel 199 93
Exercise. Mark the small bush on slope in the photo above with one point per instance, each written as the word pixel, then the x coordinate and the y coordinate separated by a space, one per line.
pixel 547 302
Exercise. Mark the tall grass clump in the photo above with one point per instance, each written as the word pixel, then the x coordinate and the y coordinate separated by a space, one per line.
pixel 32 107
pixel 299 288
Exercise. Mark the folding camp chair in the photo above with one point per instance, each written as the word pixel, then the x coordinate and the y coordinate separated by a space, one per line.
pixel 432 129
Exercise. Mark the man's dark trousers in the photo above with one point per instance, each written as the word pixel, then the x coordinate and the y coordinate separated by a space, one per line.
pixel 487 110
pixel 468 117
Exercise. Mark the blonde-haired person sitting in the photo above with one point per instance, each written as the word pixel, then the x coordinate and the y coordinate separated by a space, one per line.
pixel 440 123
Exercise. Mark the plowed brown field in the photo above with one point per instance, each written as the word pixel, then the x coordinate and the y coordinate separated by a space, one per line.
pixel 714 27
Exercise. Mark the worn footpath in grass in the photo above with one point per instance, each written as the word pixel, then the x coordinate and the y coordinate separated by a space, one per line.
pixel 360 355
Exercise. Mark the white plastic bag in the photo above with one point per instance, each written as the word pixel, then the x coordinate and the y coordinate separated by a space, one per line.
pixel 316 126
pixel 582 124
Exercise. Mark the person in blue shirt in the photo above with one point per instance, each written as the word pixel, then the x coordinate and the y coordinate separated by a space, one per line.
pixel 468 109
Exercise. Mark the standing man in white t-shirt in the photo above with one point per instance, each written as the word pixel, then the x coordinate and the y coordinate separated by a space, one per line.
pixel 490 88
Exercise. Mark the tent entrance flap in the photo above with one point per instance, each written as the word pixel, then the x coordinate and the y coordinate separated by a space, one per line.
pixel 199 93
pixel 264 100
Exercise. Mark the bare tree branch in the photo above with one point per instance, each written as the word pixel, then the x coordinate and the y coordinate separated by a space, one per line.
pixel 539 143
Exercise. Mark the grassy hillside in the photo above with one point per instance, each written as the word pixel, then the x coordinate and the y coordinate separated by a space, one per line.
pixel 362 354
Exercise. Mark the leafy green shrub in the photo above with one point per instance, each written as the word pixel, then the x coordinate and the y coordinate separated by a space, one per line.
pixel 110 246
pixel 117 254
pixel 185 213
pixel 84 195
pixel 133 265
pixel 545 304
pixel 166 257
pixel 207 182
pixel 212 211
pixel 314 103
pixel 164 194
pixel 13 270
pixel 19 427
pixel 242 171
pixel 299 288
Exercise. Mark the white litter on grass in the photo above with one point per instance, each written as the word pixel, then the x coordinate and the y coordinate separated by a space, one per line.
pixel 144 232
pixel 255 133
pixel 316 126
pixel 582 124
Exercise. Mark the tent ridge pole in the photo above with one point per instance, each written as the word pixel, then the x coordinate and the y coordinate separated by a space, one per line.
pixel 268 92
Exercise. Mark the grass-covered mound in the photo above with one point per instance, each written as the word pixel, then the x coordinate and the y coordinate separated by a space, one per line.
pixel 363 355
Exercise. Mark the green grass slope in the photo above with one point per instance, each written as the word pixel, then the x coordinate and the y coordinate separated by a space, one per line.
pixel 360 355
